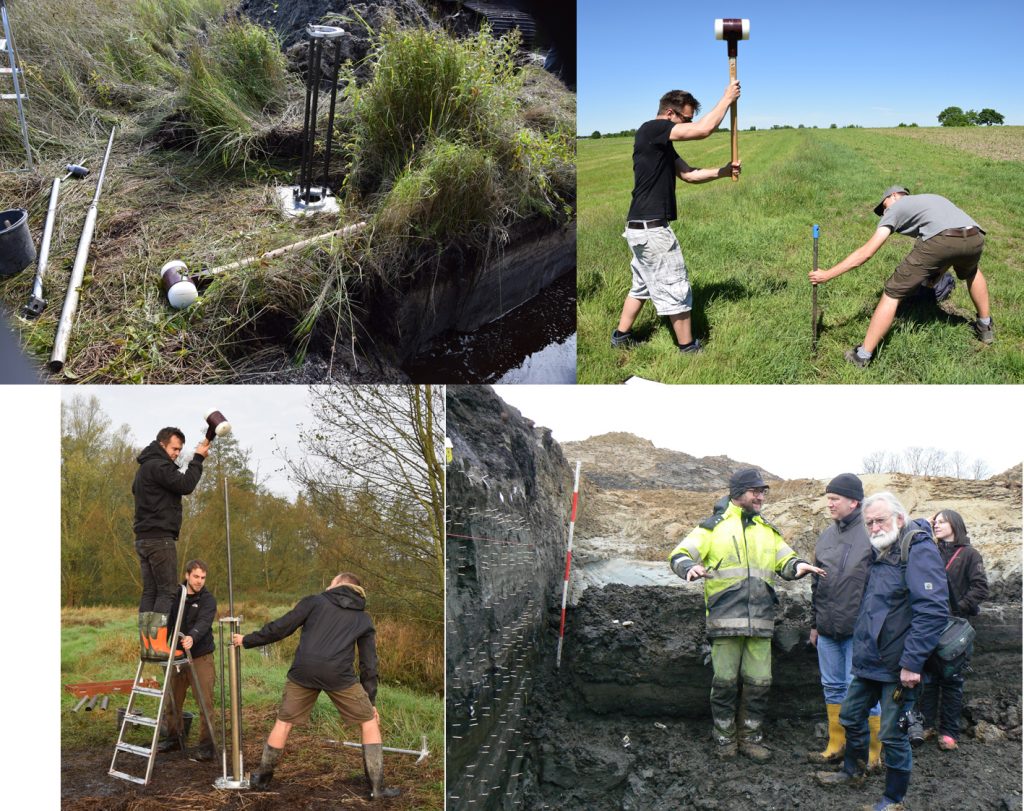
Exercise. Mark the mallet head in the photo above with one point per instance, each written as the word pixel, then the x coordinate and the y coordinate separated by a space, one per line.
pixel 732 28
pixel 74 170
pixel 181 291
pixel 217 425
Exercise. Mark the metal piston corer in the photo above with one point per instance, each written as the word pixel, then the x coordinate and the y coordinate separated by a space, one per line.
pixel 305 198
pixel 238 778
pixel 233 753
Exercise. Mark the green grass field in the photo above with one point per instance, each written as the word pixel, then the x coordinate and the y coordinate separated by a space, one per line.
pixel 101 644
pixel 748 248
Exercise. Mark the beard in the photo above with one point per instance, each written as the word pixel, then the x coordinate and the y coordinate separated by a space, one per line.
pixel 883 540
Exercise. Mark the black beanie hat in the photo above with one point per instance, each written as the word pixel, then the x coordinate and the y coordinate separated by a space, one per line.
pixel 744 479
pixel 848 485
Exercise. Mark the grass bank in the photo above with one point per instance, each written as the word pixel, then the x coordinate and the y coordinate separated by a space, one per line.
pixel 209 120
pixel 748 248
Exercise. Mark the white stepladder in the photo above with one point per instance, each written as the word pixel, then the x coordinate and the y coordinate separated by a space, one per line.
pixel 140 691
pixel 13 69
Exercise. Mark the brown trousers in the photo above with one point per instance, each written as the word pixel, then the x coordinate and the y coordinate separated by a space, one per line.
pixel 182 680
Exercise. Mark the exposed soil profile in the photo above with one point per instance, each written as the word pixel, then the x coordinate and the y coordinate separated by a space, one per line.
pixel 624 722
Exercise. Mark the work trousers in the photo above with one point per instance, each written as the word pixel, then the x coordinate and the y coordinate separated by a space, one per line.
pixel 736 660
pixel 180 682
pixel 158 562
pixel 951 693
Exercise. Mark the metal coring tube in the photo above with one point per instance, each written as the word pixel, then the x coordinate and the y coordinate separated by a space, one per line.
pixel 67 314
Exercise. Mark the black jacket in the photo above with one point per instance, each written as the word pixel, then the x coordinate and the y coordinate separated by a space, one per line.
pixel 968 585
pixel 158 488
pixel 200 613
pixel 844 552
pixel 333 624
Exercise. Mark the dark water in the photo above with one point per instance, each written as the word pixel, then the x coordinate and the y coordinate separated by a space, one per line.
pixel 535 343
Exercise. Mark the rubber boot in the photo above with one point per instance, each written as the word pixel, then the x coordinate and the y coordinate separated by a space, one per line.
pixel 753 706
pixel 724 697
pixel 852 774
pixel 158 637
pixel 373 766
pixel 144 634
pixel 874 744
pixel 261 777
pixel 836 738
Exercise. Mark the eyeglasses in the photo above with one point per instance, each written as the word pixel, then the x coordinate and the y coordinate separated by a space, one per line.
pixel 759 491
pixel 686 119
pixel 877 522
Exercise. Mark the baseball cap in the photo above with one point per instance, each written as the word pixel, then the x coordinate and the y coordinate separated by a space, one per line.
pixel 891 190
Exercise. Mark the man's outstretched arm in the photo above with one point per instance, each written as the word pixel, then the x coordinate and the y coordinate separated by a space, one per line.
pixel 854 260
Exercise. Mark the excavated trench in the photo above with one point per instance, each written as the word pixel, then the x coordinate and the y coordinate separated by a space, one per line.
pixel 625 723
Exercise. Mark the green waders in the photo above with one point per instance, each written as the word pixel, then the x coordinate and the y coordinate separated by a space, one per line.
pixel 735 659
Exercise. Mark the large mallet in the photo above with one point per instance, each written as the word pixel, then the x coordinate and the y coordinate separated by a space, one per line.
pixel 732 30
pixel 216 425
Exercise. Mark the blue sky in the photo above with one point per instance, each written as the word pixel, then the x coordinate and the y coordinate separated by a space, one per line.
pixel 805 63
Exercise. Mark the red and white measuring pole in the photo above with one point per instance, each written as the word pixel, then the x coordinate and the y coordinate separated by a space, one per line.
pixel 568 563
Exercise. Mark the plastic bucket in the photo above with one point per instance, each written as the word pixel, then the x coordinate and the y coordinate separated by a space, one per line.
pixel 16 249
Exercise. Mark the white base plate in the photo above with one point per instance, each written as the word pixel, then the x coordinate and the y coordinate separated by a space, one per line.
pixel 291 206
pixel 226 782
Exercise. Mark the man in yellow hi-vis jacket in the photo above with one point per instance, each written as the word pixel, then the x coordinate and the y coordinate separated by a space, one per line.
pixel 738 553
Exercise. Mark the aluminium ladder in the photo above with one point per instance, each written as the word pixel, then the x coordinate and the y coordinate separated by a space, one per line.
pixel 133 717
pixel 12 69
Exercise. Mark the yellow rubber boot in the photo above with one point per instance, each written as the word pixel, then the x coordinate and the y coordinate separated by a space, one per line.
pixel 836 739
pixel 874 745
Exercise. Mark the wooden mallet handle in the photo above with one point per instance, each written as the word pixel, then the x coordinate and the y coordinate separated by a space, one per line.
pixel 732 30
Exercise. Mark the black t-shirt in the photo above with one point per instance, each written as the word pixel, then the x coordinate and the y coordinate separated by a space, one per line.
pixel 654 172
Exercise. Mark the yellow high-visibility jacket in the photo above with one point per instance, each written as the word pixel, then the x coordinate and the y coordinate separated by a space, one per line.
pixel 741 556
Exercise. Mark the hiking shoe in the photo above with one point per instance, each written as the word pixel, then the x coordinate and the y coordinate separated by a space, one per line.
pixel 696 346
pixel 840 778
pixel 929 733
pixel 986 332
pixel 755 751
pixel 947 743
pixel 385 793
pixel 852 356
pixel 726 751
pixel 884 805
pixel 622 340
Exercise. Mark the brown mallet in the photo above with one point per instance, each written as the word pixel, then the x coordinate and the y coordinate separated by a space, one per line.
pixel 216 425
pixel 732 30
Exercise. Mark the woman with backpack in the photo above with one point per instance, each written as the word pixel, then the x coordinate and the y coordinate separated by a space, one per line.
pixel 968 586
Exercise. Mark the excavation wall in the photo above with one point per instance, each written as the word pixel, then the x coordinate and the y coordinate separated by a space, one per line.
pixel 509 492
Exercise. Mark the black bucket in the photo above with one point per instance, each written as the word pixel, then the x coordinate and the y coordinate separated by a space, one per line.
pixel 186 722
pixel 16 249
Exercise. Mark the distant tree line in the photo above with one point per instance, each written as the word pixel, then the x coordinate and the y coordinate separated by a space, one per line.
pixel 956 117
pixel 918 461
pixel 384 522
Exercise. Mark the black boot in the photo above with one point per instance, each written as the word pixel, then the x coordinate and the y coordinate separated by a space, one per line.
pixel 261 777
pixel 373 765
pixel 204 753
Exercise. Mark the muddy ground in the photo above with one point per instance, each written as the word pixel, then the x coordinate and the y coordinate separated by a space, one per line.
pixel 313 776
pixel 625 724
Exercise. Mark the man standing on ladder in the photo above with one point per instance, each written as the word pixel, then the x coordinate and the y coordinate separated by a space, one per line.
pixel 158 487
pixel 197 630
pixel 334 624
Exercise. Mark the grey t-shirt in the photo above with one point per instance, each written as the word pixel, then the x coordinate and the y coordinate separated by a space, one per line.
pixel 924 215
